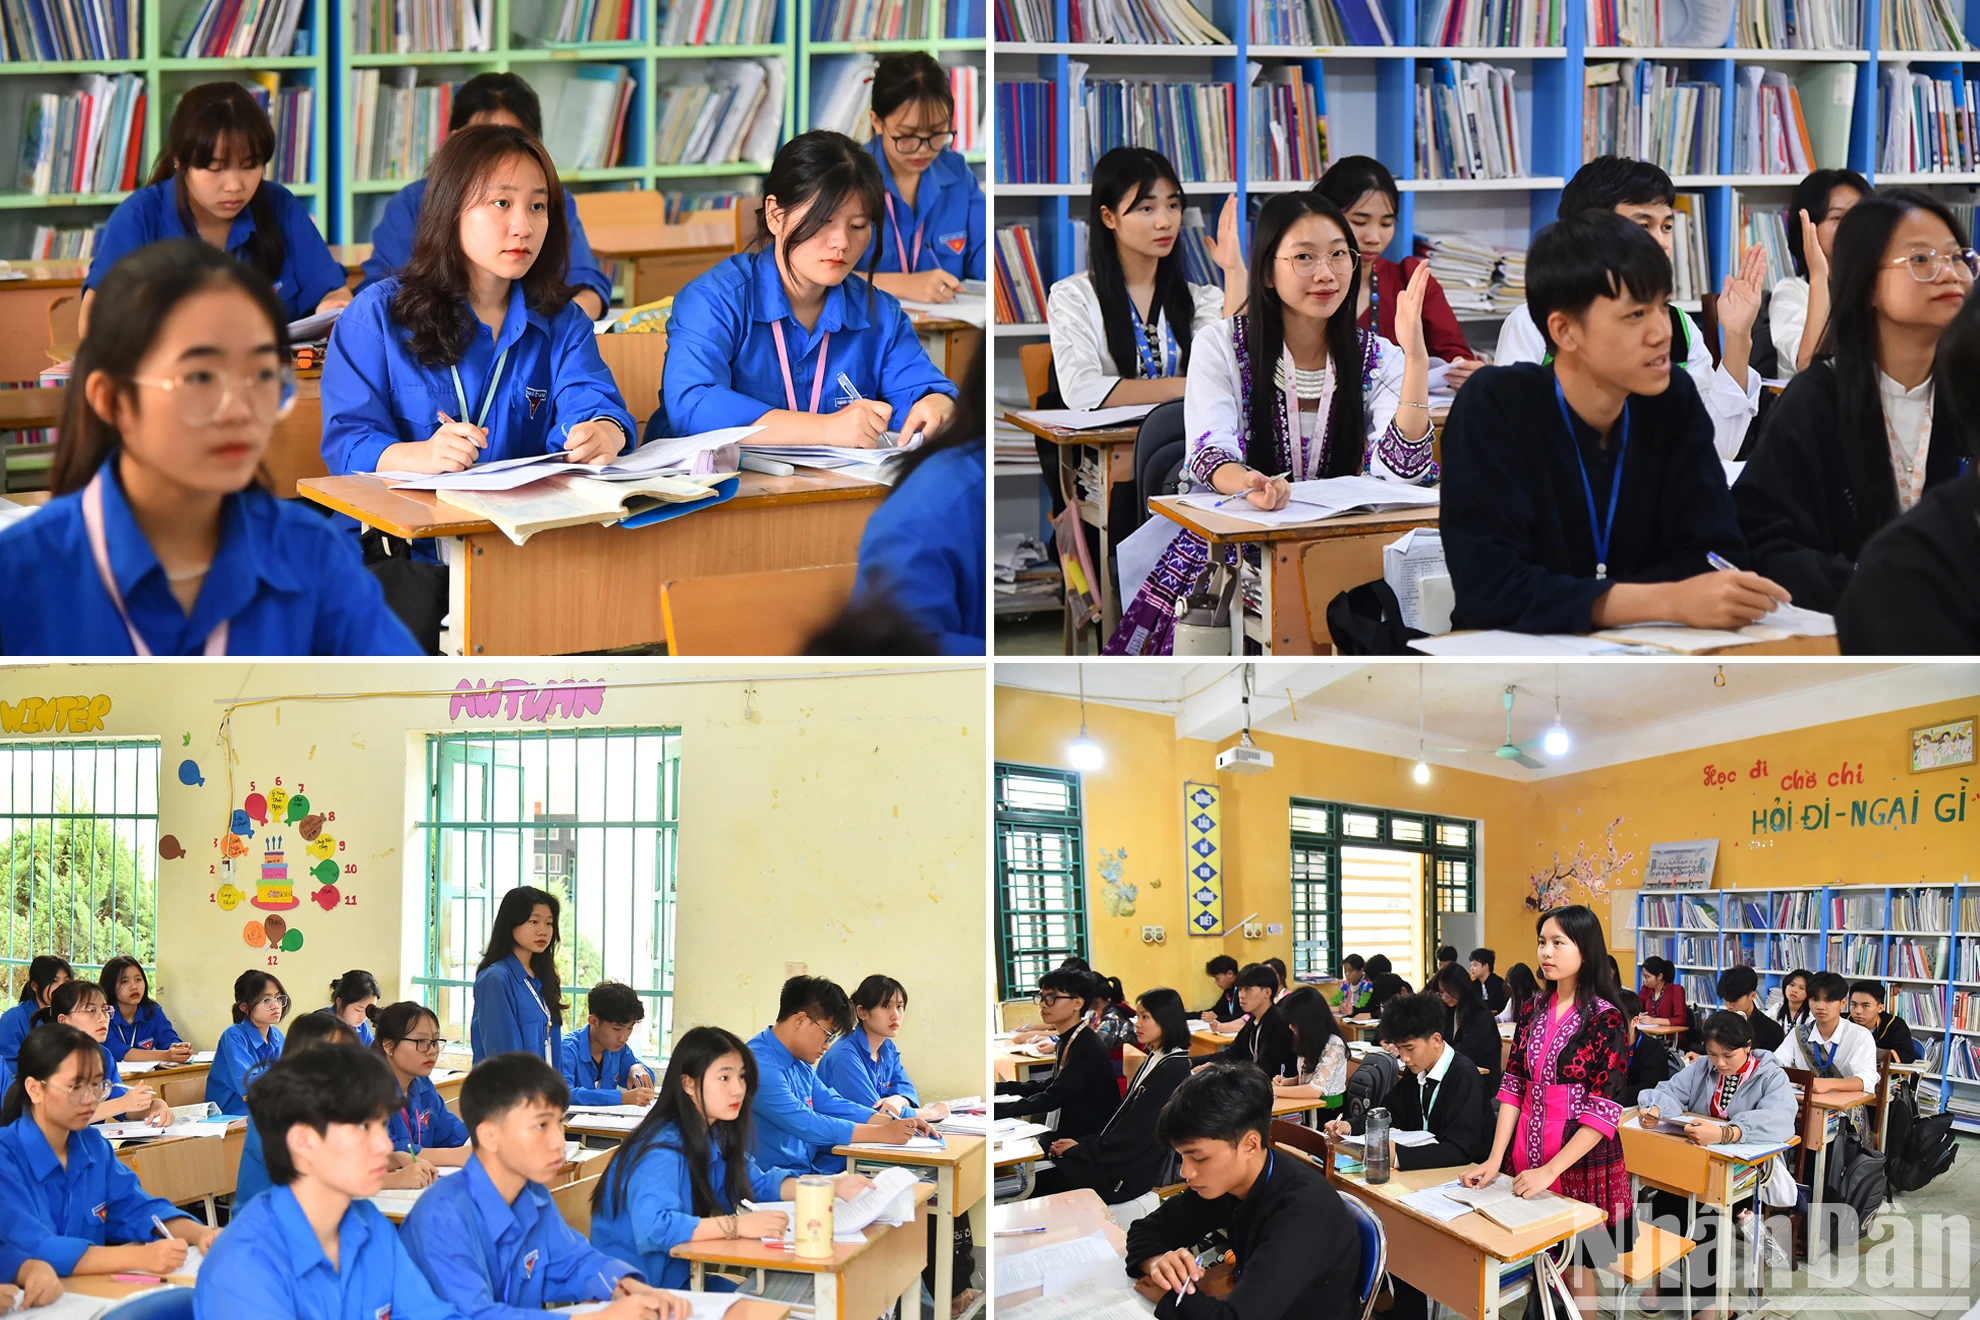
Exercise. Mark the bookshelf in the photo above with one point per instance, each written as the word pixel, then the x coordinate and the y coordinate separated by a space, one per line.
pixel 965 24
pixel 1922 941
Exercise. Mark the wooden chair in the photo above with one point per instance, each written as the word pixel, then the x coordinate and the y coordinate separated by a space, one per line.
pixel 1036 360
pixel 1656 1250
pixel 574 1203
pixel 182 1090
pixel 1299 1137
pixel 621 209
pixel 771 613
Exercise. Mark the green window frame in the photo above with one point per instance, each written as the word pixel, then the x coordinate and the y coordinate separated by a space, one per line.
pixel 80 855
pixel 1321 829
pixel 591 815
pixel 1041 874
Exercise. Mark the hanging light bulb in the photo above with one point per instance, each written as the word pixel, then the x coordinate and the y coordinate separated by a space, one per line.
pixel 1422 772
pixel 1085 751
pixel 1555 741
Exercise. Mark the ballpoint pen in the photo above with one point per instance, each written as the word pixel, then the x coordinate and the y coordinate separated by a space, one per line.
pixel 1241 494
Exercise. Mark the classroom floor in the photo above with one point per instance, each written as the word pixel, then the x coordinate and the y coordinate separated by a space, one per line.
pixel 1029 634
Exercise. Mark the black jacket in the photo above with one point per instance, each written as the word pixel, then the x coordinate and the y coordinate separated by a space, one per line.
pixel 1082 1088
pixel 1226 1008
pixel 1493 991
pixel 1475 1035
pixel 1799 503
pixel 1463 1115
pixel 1298 1254
pixel 1767 1033
pixel 1894 1033
pixel 1913 593
pixel 1266 1041
pixel 1123 1160
pixel 1515 514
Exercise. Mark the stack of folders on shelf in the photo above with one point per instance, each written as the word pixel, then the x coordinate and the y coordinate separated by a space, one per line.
pixel 52 241
pixel 1925 129
pixel 841 91
pixel 85 140
pixel 231 29
pixel 1704 23
pixel 1856 955
pixel 293 112
pixel 586 128
pixel 396 126
pixel 1797 910
pixel 1199 266
pixel 569 22
pixel 966 87
pixel 1020 287
pixel 1765 227
pixel 1963 1064
pixel 1464 269
pixel 1649 111
pixel 1856 912
pixel 1320 23
pixel 1790 125
pixel 1467 122
pixel 869 20
pixel 1921 25
pixel 719 113
pixel 1917 959
pixel 1698 950
pixel 1491 22
pixel 1192 123
pixel 1288 132
pixel 69 29
pixel 1926 911
pixel 1664 946
pixel 1027 131
pixel 1746 913
pixel 419 27
pixel 1920 1008
pixel 1787 952
pixel 1024 20
pixel 1800 24
pixel 1143 23
pixel 1700 988
pixel 716 22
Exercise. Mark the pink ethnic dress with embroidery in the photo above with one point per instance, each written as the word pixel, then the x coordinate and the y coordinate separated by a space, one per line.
pixel 1561 1073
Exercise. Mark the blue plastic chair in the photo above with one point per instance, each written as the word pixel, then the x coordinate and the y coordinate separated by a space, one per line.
pixel 1374 1252
pixel 165 1304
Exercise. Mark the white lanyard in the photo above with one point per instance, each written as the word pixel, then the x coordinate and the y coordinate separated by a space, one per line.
pixel 784 361
pixel 908 263
pixel 494 379
pixel 99 546
pixel 544 1008
pixel 1910 472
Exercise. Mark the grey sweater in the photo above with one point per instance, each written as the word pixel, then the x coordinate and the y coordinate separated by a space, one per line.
pixel 1763 1107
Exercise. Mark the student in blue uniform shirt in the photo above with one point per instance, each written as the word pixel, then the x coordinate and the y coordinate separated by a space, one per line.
pixel 45 972
pixel 81 1004
pixel 936 211
pixel 207 185
pixel 798 1117
pixel 486 98
pixel 311 1248
pixel 422 1126
pixel 160 539
pixel 251 1044
pixel 684 1173
pixel 518 994
pixel 491 1241
pixel 773 338
pixel 354 998
pixel 139 1030
pixel 597 1063
pixel 865 1066
pixel 83 1212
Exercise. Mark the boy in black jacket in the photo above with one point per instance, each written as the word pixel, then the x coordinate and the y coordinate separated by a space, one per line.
pixel 1866 1009
pixel 1491 986
pixel 1739 992
pixel 1082 1087
pixel 1266 1039
pixel 1298 1254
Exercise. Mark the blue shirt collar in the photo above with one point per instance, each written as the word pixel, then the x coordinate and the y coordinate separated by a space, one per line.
pixel 40 1156
pixel 845 306
pixel 498 1214
pixel 299 1239
pixel 172 226
pixel 780 1057
pixel 931 184
pixel 243 555
pixel 518 318
pixel 865 1044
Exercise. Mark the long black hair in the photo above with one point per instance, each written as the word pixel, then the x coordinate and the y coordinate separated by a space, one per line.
pixel 1351 178
pixel 1812 195
pixel 492 93
pixel 206 117
pixel 113 972
pixel 1789 1016
pixel 695 1053
pixel 1313 1025
pixel 909 76
pixel 68 997
pixel 42 969
pixel 1850 342
pixel 42 1055
pixel 1520 985
pixel 395 1020
pixel 819 172
pixel 1166 1007
pixel 1595 979
pixel 352 986
pixel 515 910
pixel 1121 178
pixel 1347 433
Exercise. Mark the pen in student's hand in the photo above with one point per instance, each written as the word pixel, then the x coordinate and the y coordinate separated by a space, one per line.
pixel 1241 494
pixel 852 390
pixel 163 1231
pixel 1724 565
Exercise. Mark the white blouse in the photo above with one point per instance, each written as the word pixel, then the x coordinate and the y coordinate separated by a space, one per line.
pixel 1908 414
pixel 1087 372
pixel 1787 317
pixel 1329 1076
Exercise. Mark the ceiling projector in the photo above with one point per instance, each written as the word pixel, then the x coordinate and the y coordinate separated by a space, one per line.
pixel 1244 758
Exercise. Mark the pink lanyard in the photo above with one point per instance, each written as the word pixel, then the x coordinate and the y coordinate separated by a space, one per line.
pixel 784 361
pixel 907 266
pixel 99 546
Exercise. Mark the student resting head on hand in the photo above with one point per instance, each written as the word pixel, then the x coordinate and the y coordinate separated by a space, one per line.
pixel 936 211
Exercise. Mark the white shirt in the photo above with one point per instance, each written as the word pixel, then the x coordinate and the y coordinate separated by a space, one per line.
pixel 1730 406
pixel 1087 371
pixel 1856 1051
pixel 1329 1074
pixel 1787 317
pixel 1907 412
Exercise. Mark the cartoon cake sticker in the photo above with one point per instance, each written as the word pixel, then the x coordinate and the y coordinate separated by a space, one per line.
pixel 273 893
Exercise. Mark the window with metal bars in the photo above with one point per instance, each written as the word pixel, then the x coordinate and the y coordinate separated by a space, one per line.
pixel 1041 875
pixel 79 853
pixel 591 815
pixel 1320 832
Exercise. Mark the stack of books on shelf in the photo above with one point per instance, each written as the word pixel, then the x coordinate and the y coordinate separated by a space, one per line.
pixel 1288 132
pixel 1491 22
pixel 1697 914
pixel 1020 287
pixel 1856 912
pixel 841 92
pixel 869 20
pixel 1467 122
pixel 1466 270
pixel 1662 946
pixel 56 242
pixel 1921 25
pixel 570 22
pixel 1027 131
pixel 1320 23
pixel 720 113
pixel 1701 989
pixel 1698 951
pixel 1770 134
pixel 1509 288
pixel 1765 227
pixel 1963 1064
pixel 1786 953
pixel 1661 911
pixel 1923 1009
pixel 1856 955
pixel 1024 20
pixel 1691 257
pixel 1916 959
pixel 293 112
pixel 1143 23
pixel 716 22
pixel 1646 23
pixel 680 204
pixel 1799 24
pixel 396 126
pixel 83 141
pixel 418 27
pixel 1192 123
pixel 1746 913
pixel 231 29
pixel 1965 1014
pixel 1926 129
pixel 1924 911
pixel 32 30
pixel 1650 112
pixel 1966 959
pixel 586 129
pixel 1199 266
pixel 966 86
pixel 1797 909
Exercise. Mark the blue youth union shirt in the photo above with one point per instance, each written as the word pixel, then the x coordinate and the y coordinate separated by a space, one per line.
pixel 923 548
pixel 950 211
pixel 392 243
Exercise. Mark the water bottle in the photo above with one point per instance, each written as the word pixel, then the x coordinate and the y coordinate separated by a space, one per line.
pixel 1375 1148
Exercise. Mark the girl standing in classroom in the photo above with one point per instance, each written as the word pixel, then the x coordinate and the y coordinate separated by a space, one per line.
pixel 518 992
pixel 84 1006
pixel 1367 194
pixel 1559 1099
pixel 45 972
pixel 756 340
pixel 251 1044
pixel 353 999
pixel 1798 313
pixel 936 211
pixel 422 1126
pixel 1289 388
pixel 162 538
pixel 139 1030
pixel 1855 440
pixel 207 185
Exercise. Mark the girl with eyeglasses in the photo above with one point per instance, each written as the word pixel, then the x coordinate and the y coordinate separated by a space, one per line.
pixel 1082 1088
pixel 936 211
pixel 1857 438
pixel 70 1201
pixel 82 1005
pixel 162 538
pixel 251 1044
pixel 422 1126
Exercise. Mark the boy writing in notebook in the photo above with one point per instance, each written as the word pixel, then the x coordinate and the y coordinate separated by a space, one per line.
pixel 598 1064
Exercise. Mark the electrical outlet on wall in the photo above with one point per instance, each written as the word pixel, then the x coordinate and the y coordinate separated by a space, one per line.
pixel 1253 931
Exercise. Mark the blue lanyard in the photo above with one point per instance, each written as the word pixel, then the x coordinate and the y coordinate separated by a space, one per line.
pixel 1598 530
pixel 1152 369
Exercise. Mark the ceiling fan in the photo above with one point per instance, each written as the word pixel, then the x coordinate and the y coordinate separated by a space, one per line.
pixel 1507 750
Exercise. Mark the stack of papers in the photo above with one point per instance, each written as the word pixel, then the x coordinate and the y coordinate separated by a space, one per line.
pixel 912 1143
pixel 701 1305
pixel 315 326
pixel 1060 1266
pixel 968 304
pixel 1464 269
pixel 710 453
pixel 889 450
pixel 1089 1299
pixel 1312 501
pixel 198 1127
pixel 1091 419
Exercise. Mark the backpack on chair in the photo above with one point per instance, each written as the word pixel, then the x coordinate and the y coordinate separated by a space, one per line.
pixel 1919 1149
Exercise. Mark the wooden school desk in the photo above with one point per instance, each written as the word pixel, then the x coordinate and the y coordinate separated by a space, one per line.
pixel 1023 1155
pixel 1065 1217
pixel 176 1083
pixel 102 1285
pixel 960 1181
pixel 1306 566
pixel 598 588
pixel 1113 454
pixel 1459 1263
pixel 859 1281
pixel 187 1169
pixel 1815 1137
pixel 1014 1066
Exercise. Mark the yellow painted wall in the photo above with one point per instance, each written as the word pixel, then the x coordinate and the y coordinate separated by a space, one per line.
pixel 833 821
